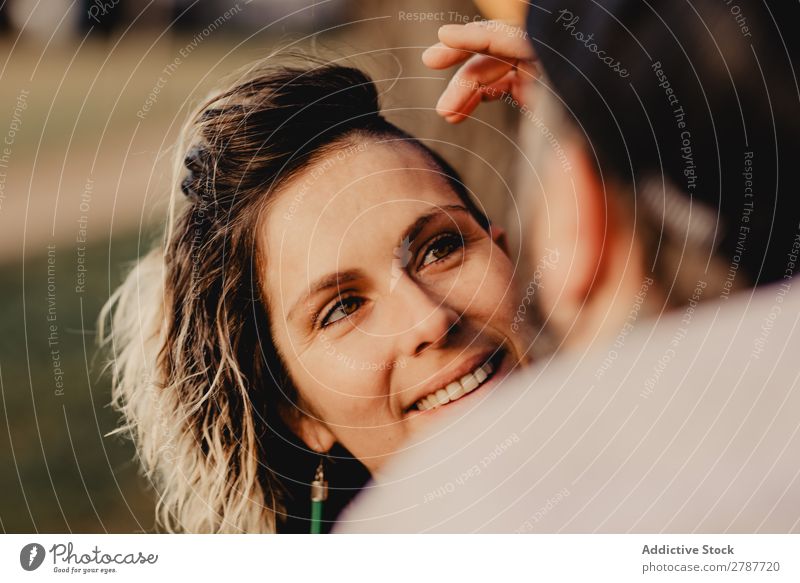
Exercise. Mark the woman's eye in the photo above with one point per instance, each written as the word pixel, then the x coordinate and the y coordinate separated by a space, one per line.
pixel 441 247
pixel 342 309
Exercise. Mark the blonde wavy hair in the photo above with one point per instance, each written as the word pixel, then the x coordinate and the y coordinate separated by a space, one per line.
pixel 195 375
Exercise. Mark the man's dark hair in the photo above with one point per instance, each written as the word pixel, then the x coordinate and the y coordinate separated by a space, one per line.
pixel 703 94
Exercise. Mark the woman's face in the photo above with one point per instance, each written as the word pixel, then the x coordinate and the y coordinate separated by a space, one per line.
pixel 390 304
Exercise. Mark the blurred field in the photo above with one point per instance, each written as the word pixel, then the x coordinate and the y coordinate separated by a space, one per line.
pixel 59 473
pixel 83 165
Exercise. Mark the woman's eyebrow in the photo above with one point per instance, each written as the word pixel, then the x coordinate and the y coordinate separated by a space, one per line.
pixel 333 280
pixel 416 227
pixel 340 278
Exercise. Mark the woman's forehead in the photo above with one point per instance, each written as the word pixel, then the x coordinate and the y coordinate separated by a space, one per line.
pixel 356 187
pixel 342 210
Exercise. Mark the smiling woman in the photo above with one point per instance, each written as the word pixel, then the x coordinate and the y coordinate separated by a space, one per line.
pixel 328 287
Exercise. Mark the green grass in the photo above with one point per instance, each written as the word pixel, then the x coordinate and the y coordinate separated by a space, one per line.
pixel 58 473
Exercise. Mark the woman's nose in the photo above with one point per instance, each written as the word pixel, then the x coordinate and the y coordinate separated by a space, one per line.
pixel 426 320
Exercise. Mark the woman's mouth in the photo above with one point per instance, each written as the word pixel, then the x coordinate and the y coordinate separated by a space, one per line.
pixel 462 386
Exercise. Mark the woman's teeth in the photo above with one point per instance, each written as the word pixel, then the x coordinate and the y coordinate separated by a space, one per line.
pixel 457 389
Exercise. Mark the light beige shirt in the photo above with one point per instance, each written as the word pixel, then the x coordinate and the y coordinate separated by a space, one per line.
pixel 690 423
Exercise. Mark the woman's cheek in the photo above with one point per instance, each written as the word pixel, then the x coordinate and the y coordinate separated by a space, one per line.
pixel 332 394
pixel 483 282
pixel 346 376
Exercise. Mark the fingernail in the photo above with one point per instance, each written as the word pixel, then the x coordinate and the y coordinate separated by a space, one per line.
pixel 440 102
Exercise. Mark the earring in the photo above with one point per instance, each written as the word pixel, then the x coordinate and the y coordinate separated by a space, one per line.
pixel 319 493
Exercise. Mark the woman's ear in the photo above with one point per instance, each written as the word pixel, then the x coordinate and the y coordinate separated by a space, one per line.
pixel 311 430
pixel 498 235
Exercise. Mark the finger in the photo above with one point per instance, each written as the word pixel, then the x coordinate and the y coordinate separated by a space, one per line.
pixel 498 89
pixel 477 72
pixel 440 56
pixel 466 109
pixel 493 37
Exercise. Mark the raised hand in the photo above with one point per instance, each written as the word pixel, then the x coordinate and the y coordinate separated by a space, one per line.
pixel 497 59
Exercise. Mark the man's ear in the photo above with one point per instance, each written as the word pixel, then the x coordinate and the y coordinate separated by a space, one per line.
pixel 311 430
pixel 498 235
pixel 571 226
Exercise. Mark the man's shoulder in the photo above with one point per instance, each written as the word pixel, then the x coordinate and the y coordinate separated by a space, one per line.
pixel 677 424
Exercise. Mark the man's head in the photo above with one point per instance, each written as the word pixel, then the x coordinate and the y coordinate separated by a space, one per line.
pixel 660 150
